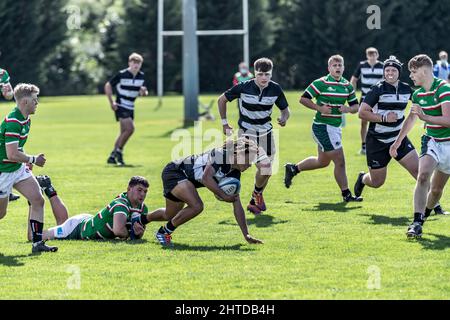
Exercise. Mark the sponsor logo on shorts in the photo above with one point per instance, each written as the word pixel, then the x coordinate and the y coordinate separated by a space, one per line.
pixel 2 192
pixel 59 231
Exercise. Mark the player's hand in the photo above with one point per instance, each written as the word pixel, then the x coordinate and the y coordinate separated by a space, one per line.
pixel 40 160
pixel 252 240
pixel 138 229
pixel 114 106
pixel 281 121
pixel 344 109
pixel 227 130
pixel 325 109
pixel 143 91
pixel 393 149
pixel 417 110
pixel 229 198
pixel 391 117
pixel 29 166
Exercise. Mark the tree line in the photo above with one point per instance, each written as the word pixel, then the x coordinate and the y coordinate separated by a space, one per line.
pixel 72 47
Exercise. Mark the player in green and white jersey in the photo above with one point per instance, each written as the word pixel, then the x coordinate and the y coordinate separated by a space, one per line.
pixel 331 93
pixel 8 94
pixel 14 132
pixel 116 220
pixel 431 103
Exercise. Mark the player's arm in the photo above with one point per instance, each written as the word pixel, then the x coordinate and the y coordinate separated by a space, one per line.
pixel 353 105
pixel 283 105
pixel 407 126
pixel 109 95
pixel 209 182
pixel 307 100
pixel 354 81
pixel 120 225
pixel 443 120
pixel 14 154
pixel 239 214
pixel 7 91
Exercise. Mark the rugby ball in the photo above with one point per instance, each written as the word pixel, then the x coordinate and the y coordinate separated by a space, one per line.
pixel 230 186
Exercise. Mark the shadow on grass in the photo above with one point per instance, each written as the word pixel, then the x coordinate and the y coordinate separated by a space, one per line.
pixel 440 243
pixel 188 247
pixel 337 207
pixel 124 166
pixel 129 242
pixel 261 221
pixel 169 133
pixel 397 221
pixel 13 261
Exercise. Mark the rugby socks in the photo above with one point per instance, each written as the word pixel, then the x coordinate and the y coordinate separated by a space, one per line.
pixel 346 193
pixel 36 230
pixel 418 217
pixel 427 212
pixel 168 228
pixel 363 146
pixel 296 171
pixel 258 190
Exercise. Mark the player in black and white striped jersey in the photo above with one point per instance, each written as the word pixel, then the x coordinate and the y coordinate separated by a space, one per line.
pixel 370 72
pixel 256 99
pixel 384 107
pixel 129 84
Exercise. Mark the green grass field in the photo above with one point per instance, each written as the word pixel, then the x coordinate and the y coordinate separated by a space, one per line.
pixel 315 246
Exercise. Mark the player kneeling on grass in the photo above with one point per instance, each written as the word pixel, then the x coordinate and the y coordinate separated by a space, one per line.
pixel 181 178
pixel 111 222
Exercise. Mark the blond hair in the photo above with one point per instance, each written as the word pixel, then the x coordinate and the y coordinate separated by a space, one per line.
pixel 25 90
pixel 336 58
pixel 135 57
pixel 371 50
pixel 421 60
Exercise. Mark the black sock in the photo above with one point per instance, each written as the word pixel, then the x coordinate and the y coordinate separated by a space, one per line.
pixel 427 212
pixel 346 193
pixel 36 229
pixel 296 169
pixel 113 153
pixel 363 145
pixel 169 228
pixel 258 190
pixel 418 217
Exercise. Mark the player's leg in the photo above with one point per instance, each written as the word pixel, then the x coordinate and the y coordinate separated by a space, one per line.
pixel 427 164
pixel 340 174
pixel 6 185
pixel 69 230
pixel 3 206
pixel 438 182
pixel 183 193
pixel 126 131
pixel 312 163
pixel 375 178
pixel 266 154
pixel 30 189
pixel 59 209
pixel 363 134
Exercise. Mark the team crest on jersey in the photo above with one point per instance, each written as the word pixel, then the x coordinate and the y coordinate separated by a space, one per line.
pixel 422 101
pixel 331 89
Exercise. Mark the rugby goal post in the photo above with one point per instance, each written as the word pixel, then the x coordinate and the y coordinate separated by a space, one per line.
pixel 190 52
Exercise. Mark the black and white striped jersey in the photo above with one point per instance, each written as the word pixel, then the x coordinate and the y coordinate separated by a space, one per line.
pixel 127 87
pixel 255 105
pixel 194 166
pixel 384 98
pixel 369 75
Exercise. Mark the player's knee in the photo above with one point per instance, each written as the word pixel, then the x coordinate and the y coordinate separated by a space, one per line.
pixel 377 182
pixel 436 192
pixel 37 201
pixel 197 207
pixel 423 178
